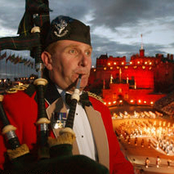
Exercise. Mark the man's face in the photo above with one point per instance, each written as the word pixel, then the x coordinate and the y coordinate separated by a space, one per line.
pixel 70 59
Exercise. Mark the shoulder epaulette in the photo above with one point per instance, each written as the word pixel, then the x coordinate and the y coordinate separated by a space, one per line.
pixel 95 96
pixel 17 88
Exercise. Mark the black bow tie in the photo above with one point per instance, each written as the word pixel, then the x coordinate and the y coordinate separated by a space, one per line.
pixel 84 100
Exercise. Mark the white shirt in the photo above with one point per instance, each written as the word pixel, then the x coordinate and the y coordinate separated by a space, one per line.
pixel 82 130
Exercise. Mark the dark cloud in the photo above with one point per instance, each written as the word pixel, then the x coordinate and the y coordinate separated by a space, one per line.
pixel 11 13
pixel 74 8
pixel 121 13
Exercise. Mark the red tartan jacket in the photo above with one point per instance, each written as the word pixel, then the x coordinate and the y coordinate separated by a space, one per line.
pixel 22 111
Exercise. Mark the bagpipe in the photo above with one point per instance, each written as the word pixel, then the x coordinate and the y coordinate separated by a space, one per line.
pixel 54 155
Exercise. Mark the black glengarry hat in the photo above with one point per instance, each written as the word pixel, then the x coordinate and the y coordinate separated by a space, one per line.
pixel 66 28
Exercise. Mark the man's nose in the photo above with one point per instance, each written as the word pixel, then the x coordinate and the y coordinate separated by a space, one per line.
pixel 83 60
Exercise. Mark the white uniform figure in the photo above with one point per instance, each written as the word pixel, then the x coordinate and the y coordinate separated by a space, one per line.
pixel 158 161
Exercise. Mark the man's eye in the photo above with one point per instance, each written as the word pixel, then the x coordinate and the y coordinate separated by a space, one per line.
pixel 73 51
pixel 88 53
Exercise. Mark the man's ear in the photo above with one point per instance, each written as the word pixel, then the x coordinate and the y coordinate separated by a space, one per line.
pixel 46 59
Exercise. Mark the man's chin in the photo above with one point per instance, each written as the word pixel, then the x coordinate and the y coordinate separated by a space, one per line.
pixel 84 83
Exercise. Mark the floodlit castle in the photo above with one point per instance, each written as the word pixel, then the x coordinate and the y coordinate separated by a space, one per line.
pixel 141 81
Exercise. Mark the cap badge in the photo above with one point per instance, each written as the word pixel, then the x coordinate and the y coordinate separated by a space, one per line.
pixel 61 28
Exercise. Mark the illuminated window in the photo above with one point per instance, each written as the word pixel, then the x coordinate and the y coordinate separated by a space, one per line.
pixel 130 63
pixel 104 103
pixel 145 102
pixel 109 64
pixel 126 67
pixel 151 102
pixel 109 103
pixel 138 62
pixel 143 67
pixel 104 68
pixel 131 101
pixel 139 101
pixel 135 67
pixel 94 70
pixel 114 102
pixel 121 101
pixel 111 67
pixel 122 63
pixel 150 63
pixel 145 63
pixel 115 63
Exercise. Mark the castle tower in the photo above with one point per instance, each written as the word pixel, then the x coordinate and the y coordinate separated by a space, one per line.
pixel 142 49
